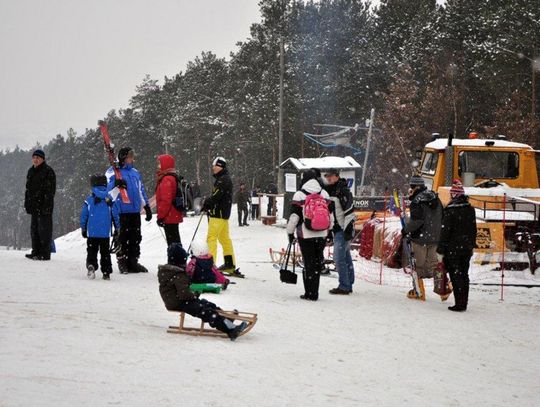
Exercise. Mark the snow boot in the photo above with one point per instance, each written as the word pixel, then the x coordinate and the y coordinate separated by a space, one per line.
pixel 138 268
pixel 412 294
pixel 235 332
pixel 91 272
pixel 122 263
pixel 106 276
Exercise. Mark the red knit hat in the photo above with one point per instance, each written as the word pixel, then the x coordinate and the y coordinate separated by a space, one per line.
pixel 456 190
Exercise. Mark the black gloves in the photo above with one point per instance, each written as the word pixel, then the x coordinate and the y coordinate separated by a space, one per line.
pixel 204 205
pixel 83 233
pixel 291 237
pixel 160 223
pixel 120 183
pixel 148 213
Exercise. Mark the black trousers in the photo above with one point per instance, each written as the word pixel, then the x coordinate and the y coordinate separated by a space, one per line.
pixel 458 268
pixel 101 244
pixel 41 235
pixel 172 233
pixel 270 205
pixel 242 215
pixel 205 310
pixel 254 211
pixel 130 237
pixel 312 253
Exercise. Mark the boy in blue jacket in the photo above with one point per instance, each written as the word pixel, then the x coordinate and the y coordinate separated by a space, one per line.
pixel 98 212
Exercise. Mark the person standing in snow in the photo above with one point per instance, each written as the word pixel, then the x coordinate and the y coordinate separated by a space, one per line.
pixel 98 213
pixel 218 206
pixel 424 228
pixel 169 216
pixel 130 219
pixel 271 188
pixel 255 210
pixel 312 242
pixel 458 239
pixel 39 203
pixel 242 199
pixel 196 196
pixel 343 229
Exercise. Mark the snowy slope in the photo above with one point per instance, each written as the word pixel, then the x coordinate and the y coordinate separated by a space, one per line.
pixel 67 341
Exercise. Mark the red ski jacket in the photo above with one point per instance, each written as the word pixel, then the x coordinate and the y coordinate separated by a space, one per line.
pixel 166 191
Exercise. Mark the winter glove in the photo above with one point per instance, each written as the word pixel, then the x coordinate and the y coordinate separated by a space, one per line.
pixel 148 213
pixel 291 237
pixel 204 205
pixel 83 233
pixel 120 183
pixel 160 223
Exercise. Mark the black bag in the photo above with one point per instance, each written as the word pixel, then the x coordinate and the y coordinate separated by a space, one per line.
pixel 285 275
pixel 179 200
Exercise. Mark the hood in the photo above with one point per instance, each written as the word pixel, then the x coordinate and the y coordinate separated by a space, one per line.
pixel 166 162
pixel 312 186
pixel 167 271
pixel 100 191
pixel 426 196
pixel 221 173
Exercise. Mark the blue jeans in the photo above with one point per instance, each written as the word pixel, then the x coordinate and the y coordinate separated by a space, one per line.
pixel 343 261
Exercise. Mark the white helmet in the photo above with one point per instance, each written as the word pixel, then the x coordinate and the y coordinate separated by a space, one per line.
pixel 199 248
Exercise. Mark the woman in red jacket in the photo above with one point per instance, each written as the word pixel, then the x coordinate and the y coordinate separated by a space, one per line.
pixel 168 216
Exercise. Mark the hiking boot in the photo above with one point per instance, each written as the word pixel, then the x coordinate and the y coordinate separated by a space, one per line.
pixel 339 291
pixel 31 256
pixel 237 330
pixel 457 309
pixel 91 272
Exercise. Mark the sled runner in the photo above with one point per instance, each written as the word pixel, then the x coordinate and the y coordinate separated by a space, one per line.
pixel 234 315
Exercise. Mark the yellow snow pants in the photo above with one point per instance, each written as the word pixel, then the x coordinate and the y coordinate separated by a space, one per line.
pixel 218 229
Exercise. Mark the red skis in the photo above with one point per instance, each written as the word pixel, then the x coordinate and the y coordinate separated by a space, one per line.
pixel 112 159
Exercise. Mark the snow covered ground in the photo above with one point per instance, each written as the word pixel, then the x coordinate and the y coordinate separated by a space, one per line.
pixel 68 341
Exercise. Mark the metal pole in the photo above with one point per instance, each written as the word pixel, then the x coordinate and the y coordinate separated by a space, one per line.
pixel 280 128
pixel 370 132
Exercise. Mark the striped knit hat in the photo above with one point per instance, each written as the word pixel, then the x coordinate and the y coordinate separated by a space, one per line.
pixel 457 190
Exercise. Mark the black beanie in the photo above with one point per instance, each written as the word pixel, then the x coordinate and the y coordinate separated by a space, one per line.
pixel 98 180
pixel 39 153
pixel 176 255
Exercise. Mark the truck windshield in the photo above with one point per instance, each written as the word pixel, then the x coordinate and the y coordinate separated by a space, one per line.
pixel 429 164
pixel 489 164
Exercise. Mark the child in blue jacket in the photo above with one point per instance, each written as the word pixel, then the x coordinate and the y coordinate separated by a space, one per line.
pixel 98 213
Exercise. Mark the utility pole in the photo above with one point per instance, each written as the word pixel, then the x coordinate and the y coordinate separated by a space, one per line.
pixel 370 132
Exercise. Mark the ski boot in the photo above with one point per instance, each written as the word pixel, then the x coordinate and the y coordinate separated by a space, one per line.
pixel 233 333
pixel 412 294
pixel 91 272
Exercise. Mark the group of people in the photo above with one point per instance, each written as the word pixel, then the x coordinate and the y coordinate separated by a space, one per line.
pixel 438 234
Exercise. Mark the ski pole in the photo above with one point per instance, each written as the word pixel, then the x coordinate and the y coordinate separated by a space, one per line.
pixel 195 233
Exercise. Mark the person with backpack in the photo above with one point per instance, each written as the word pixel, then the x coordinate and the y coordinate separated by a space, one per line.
pixel 311 218
pixel 169 199
pixel 424 228
pixel 458 239
pixel 98 213
pixel 130 212
pixel 342 230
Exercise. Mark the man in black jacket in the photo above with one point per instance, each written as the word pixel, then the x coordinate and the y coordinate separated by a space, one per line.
pixel 458 239
pixel 218 206
pixel 39 202
pixel 424 228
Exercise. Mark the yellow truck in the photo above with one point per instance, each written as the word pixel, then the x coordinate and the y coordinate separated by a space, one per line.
pixel 501 179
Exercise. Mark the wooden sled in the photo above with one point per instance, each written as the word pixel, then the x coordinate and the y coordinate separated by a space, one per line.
pixel 278 257
pixel 248 317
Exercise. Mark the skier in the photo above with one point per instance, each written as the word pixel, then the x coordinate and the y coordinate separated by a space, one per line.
pixel 312 242
pixel 255 210
pixel 98 213
pixel 169 216
pixel 177 296
pixel 201 267
pixel 458 239
pixel 39 203
pixel 343 229
pixel 424 227
pixel 242 199
pixel 218 207
pixel 130 218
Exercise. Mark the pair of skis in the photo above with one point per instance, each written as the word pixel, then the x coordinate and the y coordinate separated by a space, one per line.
pixel 407 244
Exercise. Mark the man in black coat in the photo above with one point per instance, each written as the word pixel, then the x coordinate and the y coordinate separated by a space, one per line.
pixel 39 202
pixel 458 239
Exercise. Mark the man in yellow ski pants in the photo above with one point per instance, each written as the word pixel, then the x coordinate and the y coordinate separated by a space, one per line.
pixel 218 207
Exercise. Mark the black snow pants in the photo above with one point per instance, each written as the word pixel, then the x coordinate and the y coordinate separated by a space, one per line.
pixel 130 237
pixel 172 233
pixel 41 234
pixel 312 253
pixel 205 310
pixel 458 268
pixel 101 244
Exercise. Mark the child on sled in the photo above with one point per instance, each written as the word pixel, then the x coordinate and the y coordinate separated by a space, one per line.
pixel 201 267
pixel 177 296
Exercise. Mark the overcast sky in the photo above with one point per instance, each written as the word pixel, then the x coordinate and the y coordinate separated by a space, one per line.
pixel 66 63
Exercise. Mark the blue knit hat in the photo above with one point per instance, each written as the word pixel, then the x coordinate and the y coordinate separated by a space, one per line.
pixel 176 255
pixel 39 153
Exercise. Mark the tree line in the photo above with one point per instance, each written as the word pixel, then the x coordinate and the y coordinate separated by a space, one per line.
pixel 453 68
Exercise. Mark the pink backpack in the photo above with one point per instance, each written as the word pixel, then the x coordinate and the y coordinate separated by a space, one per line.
pixel 316 212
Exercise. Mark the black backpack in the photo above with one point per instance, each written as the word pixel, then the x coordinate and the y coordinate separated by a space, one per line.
pixel 179 200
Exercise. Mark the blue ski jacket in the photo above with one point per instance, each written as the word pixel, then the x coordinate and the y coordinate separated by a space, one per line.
pixel 135 189
pixel 98 211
